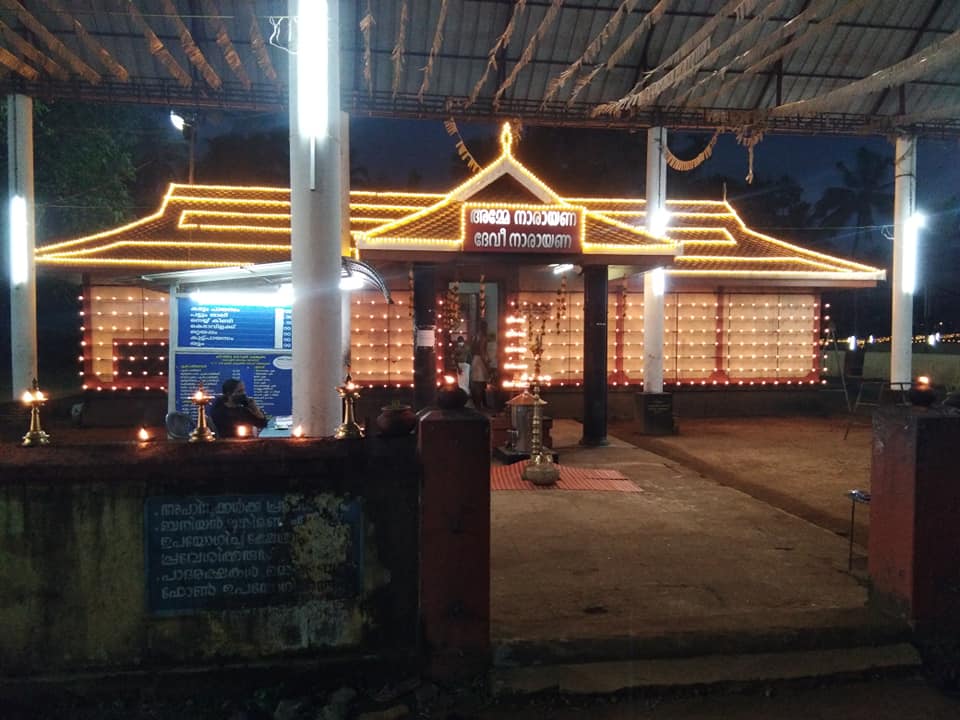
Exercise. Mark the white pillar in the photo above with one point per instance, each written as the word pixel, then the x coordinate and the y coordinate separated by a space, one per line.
pixel 653 291
pixel 21 239
pixel 653 280
pixel 903 283
pixel 345 304
pixel 656 175
pixel 316 222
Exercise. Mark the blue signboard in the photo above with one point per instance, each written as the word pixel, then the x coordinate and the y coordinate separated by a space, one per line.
pixel 226 326
pixel 219 552
pixel 267 377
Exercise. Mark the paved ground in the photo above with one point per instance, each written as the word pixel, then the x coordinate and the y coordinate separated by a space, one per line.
pixel 688 555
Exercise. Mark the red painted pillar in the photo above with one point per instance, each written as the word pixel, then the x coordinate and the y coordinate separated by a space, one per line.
pixel 454 450
pixel 914 548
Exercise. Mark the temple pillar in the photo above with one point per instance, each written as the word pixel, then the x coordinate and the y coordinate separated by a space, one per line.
pixel 315 215
pixel 653 290
pixel 594 355
pixel 21 239
pixel 906 226
pixel 425 330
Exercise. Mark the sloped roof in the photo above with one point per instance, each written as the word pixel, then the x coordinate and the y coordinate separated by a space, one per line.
pixel 717 243
pixel 202 226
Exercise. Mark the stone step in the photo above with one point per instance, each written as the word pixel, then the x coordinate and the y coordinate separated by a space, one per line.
pixel 598 678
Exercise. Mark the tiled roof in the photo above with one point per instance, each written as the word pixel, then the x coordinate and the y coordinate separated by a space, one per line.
pixel 208 226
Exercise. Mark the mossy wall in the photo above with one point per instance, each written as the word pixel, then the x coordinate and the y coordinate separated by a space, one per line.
pixel 73 567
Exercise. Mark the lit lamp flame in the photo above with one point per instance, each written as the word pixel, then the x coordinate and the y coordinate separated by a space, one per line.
pixel 202 432
pixel 143 435
pixel 449 379
pixel 35 435
pixel 242 431
pixel 348 429
pixel 298 431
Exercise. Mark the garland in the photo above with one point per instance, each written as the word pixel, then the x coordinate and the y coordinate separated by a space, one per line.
pixel 434 49
pixel 462 151
pixel 366 25
pixel 399 47
pixel 501 43
pixel 527 55
pixel 593 49
pixel 687 165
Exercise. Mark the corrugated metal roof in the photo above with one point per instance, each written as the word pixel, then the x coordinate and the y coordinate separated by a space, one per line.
pixel 754 55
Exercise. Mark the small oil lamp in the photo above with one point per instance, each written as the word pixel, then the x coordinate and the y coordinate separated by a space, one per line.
pixel 35 435
pixel 348 429
pixel 143 435
pixel 297 432
pixel 202 432
pixel 243 431
pixel 451 396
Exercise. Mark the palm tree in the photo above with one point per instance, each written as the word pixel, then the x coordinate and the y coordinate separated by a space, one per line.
pixel 865 190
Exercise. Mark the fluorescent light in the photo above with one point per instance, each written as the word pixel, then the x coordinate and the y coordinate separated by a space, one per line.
pixel 659 221
pixel 19 260
pixel 852 342
pixel 313 80
pixel 239 298
pixel 351 282
pixel 659 283
pixel 176 119
pixel 562 268
pixel 911 232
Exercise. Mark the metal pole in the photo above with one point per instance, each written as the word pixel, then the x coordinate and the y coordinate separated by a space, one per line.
pixel 21 240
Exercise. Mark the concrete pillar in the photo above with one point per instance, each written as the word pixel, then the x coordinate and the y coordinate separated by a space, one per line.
pixel 653 293
pixel 21 239
pixel 594 355
pixel 316 223
pixel 425 330
pixel 914 547
pixel 455 541
pixel 653 290
pixel 656 175
pixel 905 236
pixel 346 315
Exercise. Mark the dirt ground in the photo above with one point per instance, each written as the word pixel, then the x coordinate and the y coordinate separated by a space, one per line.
pixel 802 465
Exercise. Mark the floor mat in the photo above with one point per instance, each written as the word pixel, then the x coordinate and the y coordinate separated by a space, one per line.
pixel 507 477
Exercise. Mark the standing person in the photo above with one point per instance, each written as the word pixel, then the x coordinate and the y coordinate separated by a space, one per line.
pixel 233 408
pixel 479 367
pixel 461 356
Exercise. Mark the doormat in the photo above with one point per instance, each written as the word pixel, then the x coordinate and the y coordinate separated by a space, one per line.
pixel 507 477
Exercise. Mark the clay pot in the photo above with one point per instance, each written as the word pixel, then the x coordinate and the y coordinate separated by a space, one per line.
pixel 396 420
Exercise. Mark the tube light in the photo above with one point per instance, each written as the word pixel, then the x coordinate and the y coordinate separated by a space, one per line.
pixel 278 298
pixel 658 278
pixel 351 282
pixel 562 268
pixel 19 260
pixel 177 120
pixel 659 221
pixel 312 68
pixel 910 241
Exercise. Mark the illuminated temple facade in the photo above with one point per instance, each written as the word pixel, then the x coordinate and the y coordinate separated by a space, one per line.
pixel 741 307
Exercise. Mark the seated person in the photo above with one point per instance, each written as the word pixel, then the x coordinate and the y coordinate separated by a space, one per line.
pixel 233 408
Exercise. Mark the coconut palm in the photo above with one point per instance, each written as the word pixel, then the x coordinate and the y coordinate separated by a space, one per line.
pixel 864 193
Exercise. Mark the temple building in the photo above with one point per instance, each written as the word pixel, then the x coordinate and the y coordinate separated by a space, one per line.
pixel 741 307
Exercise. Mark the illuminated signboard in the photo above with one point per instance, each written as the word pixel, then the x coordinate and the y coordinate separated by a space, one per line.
pixel 540 229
